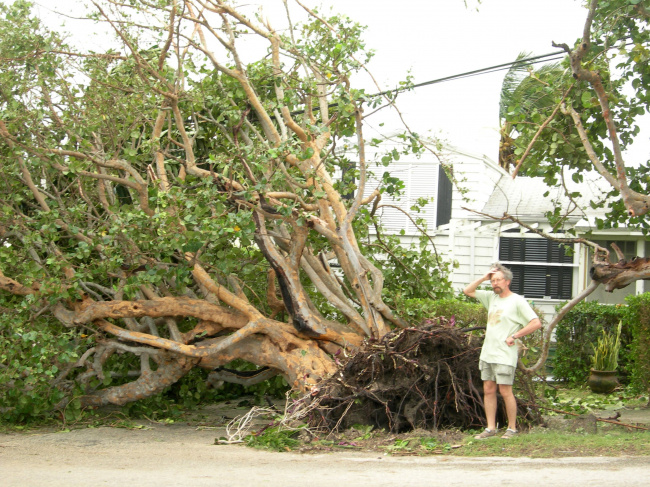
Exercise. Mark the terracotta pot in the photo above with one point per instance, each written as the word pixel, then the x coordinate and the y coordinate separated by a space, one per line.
pixel 602 381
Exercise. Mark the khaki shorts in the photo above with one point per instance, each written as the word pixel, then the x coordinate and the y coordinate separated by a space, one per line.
pixel 499 373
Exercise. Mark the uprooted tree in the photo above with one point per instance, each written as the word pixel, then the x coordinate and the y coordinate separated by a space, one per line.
pixel 579 116
pixel 172 204
pixel 169 204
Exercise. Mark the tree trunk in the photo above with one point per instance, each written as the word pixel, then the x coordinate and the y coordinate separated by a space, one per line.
pixel 621 274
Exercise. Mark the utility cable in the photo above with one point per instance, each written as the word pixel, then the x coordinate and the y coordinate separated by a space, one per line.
pixel 542 58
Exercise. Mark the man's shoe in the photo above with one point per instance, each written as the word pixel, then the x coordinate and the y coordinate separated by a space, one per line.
pixel 486 434
pixel 509 434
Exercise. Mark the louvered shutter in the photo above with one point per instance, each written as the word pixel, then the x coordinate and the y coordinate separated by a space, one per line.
pixel 534 280
pixel 392 219
pixel 423 183
pixel 536 250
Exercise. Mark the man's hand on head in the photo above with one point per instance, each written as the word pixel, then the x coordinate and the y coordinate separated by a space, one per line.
pixel 489 274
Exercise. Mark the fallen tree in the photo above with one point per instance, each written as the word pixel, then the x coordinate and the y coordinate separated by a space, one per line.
pixel 169 204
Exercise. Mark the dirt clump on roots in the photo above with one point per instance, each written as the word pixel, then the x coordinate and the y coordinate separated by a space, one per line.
pixel 424 378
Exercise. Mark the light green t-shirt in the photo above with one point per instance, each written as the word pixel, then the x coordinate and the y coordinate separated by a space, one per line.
pixel 505 317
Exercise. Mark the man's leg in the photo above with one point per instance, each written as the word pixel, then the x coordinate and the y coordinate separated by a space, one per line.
pixel 511 405
pixel 490 401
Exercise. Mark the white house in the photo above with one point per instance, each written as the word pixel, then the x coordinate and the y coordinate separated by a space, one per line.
pixel 468 228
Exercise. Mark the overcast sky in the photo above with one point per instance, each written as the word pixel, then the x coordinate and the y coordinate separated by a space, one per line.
pixel 439 38
pixel 434 39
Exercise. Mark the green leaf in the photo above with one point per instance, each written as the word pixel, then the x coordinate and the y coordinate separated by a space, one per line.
pixel 309 152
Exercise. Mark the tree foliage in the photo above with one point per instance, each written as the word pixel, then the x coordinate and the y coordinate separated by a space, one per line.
pixel 574 120
pixel 172 204
pixel 580 116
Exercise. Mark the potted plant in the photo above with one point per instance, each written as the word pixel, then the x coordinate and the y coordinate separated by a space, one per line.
pixel 605 362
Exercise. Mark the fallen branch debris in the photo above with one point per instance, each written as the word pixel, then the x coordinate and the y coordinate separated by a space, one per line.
pixel 603 420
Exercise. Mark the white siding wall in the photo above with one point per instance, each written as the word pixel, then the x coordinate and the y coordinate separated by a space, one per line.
pixel 476 174
pixel 479 176
pixel 472 251
pixel 463 240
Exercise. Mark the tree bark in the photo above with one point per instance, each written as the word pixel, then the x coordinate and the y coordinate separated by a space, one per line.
pixel 171 368
pixel 621 274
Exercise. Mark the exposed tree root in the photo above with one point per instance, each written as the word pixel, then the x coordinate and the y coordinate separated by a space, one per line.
pixel 424 377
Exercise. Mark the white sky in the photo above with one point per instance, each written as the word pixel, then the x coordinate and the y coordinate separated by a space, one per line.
pixel 434 39
pixel 439 38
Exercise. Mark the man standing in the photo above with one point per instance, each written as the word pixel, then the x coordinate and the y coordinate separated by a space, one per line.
pixel 509 317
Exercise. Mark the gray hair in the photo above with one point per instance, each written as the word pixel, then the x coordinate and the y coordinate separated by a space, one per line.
pixel 507 273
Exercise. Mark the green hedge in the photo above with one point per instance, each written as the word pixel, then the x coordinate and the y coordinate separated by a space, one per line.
pixel 465 313
pixel 576 334
pixel 638 321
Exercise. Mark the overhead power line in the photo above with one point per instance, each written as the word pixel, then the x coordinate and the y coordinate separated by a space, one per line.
pixel 543 58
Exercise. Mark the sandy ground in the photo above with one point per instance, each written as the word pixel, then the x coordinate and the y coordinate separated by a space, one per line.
pixel 185 455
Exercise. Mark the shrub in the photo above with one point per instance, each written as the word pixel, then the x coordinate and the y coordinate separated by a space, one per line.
pixel 576 335
pixel 466 314
pixel 638 321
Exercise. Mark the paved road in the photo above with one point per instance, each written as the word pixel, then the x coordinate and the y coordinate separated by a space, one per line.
pixel 184 456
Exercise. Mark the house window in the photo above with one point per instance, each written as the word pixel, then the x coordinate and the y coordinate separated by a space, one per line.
pixel 540 268
pixel 421 180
